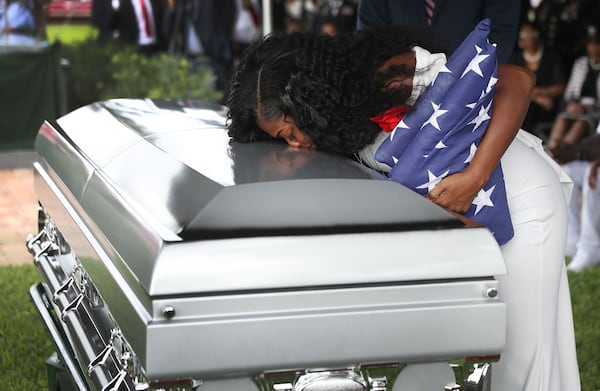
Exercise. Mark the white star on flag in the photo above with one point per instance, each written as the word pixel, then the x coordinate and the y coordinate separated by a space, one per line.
pixel 433 120
pixel 433 180
pixel 474 64
pixel 483 94
pixel 472 151
pixel 491 84
pixel 401 125
pixel 483 199
pixel 440 145
pixel 481 117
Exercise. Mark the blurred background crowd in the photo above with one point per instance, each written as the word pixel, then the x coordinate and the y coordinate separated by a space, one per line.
pixel 552 35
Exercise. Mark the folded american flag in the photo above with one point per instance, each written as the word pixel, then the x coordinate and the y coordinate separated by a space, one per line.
pixel 440 135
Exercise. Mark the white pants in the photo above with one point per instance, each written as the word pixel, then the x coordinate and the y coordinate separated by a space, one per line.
pixel 583 233
pixel 540 349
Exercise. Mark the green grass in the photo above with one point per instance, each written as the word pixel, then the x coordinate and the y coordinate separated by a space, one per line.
pixel 585 297
pixel 24 345
pixel 69 33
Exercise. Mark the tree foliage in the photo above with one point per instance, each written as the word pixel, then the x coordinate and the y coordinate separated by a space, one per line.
pixel 94 73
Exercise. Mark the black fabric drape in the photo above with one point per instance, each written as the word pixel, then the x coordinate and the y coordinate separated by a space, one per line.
pixel 29 93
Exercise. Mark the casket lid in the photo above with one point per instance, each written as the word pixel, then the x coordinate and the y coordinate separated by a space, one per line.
pixel 176 161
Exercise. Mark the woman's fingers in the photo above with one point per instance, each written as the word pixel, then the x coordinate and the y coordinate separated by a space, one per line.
pixel 454 193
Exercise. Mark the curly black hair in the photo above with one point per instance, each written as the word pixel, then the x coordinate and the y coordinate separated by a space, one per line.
pixel 326 84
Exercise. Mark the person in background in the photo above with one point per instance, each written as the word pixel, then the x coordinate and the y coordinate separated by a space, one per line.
pixel 293 25
pixel 278 15
pixel 581 114
pixel 213 22
pixel 582 162
pixel 329 27
pixel 342 13
pixel 215 32
pixel 303 11
pixel 18 18
pixel 449 20
pixel 247 27
pixel 17 24
pixel 104 17
pixel 137 23
pixel 563 24
pixel 550 79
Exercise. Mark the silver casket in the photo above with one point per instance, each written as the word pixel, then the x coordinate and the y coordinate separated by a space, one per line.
pixel 174 259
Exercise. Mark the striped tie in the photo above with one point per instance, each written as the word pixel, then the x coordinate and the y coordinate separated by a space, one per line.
pixel 429 7
pixel 146 19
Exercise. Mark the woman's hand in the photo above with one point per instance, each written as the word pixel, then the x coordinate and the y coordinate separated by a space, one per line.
pixel 563 152
pixel 593 174
pixel 544 101
pixel 575 108
pixel 456 192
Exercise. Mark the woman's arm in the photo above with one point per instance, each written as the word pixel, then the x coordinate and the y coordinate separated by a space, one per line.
pixel 551 91
pixel 547 97
pixel 511 100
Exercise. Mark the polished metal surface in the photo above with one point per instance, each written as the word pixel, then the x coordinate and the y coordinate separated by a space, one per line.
pixel 375 377
pixel 78 325
pixel 331 381
pixel 37 295
pixel 215 260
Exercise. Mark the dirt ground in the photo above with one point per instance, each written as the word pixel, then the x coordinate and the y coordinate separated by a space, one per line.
pixel 18 213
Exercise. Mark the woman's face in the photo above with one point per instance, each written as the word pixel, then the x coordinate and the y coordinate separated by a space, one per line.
pixel 593 49
pixel 285 128
pixel 528 38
